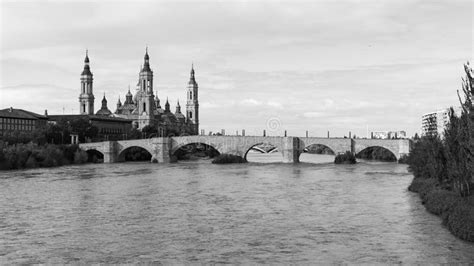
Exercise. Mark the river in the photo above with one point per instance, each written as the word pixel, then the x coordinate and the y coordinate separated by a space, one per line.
pixel 197 212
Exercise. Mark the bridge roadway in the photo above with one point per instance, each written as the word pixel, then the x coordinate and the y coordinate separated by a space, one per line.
pixel 163 149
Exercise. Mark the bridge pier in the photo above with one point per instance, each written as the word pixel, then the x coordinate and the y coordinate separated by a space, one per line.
pixel 109 150
pixel 291 150
pixel 161 150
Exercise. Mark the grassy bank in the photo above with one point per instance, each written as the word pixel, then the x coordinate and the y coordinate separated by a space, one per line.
pixel 21 156
pixel 457 212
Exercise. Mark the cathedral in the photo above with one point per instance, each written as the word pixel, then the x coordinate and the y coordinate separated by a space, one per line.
pixel 144 108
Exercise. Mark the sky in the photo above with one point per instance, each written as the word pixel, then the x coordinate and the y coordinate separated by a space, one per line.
pixel 299 66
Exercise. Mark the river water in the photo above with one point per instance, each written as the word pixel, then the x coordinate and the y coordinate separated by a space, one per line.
pixel 197 212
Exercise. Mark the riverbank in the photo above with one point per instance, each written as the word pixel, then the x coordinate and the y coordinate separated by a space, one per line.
pixel 21 156
pixel 456 212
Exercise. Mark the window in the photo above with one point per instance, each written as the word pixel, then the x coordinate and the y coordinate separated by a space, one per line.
pixel 144 107
pixel 190 115
pixel 190 95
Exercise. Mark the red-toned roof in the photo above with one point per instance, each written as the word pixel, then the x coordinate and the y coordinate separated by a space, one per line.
pixel 91 117
pixel 20 113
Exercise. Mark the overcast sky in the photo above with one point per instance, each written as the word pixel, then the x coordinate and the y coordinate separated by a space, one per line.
pixel 321 65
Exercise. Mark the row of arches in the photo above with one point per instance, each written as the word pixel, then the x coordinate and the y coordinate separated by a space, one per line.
pixel 260 152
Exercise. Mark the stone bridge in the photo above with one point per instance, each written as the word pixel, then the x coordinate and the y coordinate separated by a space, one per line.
pixel 162 149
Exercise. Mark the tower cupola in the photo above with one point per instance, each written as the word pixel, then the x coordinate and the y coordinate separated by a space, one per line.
pixel 129 97
pixel 87 69
pixel 178 108
pixel 104 111
pixel 119 103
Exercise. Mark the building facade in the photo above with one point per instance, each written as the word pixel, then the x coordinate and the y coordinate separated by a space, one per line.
pixel 19 120
pixel 144 108
pixel 109 128
pixel 401 134
pixel 434 124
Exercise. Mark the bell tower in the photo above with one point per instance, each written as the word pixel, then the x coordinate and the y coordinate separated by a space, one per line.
pixel 192 104
pixel 145 97
pixel 86 98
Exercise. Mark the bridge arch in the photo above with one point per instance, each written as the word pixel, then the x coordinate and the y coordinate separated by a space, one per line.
pixel 139 154
pixel 276 148
pixel 316 154
pixel 179 152
pixel 319 148
pixel 378 153
pixel 94 155
pixel 337 145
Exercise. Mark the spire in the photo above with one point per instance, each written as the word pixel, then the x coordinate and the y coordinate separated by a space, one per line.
pixel 167 106
pixel 104 102
pixel 192 80
pixel 87 70
pixel 119 103
pixel 86 60
pixel 146 65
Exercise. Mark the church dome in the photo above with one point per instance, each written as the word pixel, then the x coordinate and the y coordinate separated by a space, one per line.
pixel 104 112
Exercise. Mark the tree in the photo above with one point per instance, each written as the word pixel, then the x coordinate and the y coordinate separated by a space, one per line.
pixel 416 137
pixel 135 134
pixel 83 128
pixel 149 130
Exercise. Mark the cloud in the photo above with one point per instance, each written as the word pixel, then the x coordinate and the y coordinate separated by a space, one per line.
pixel 251 102
pixel 313 114
pixel 209 105
pixel 275 104
pixel 382 64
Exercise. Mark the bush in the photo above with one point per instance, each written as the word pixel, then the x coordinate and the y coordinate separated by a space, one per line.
pixel 420 185
pixel 439 201
pixel 403 159
pixel 345 158
pixel 31 155
pixel 228 158
pixel 80 157
pixel 31 162
pixel 460 220
pixel 377 153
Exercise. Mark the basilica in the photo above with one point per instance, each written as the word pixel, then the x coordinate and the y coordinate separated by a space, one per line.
pixel 143 108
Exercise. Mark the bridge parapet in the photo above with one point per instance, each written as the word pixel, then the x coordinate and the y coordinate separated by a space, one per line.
pixel 162 149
